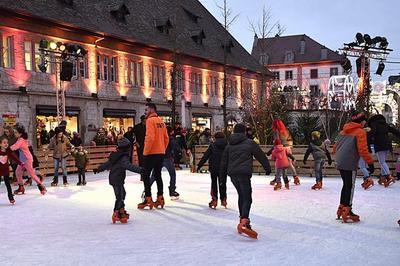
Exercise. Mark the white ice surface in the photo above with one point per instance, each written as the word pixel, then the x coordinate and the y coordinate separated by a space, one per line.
pixel 72 226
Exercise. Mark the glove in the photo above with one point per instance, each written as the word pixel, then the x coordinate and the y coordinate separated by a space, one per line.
pixel 95 171
pixel 330 162
pixel 371 168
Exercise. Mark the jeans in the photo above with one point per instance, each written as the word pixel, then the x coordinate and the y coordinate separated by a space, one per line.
pixel 8 186
pixel 169 164
pixel 153 162
pixel 349 180
pixel 243 188
pixel 281 172
pixel 218 183
pixel 120 193
pixel 382 161
pixel 57 166
pixel 318 165
pixel 363 167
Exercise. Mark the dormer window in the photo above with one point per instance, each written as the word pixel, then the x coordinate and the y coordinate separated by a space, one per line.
pixel 228 47
pixel 198 37
pixel 289 57
pixel 195 18
pixel 163 26
pixel 120 13
pixel 324 54
pixel 264 59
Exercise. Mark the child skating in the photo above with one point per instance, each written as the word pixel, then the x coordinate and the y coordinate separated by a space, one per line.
pixel 5 156
pixel 320 153
pixel 281 156
pixel 81 161
pixel 213 155
pixel 237 162
pixel 35 165
pixel 118 162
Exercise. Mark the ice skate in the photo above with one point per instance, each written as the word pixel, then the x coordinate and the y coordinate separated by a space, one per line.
pixel 213 204
pixel 296 180
pixel 173 194
pixel 339 211
pixel 147 202
pixel 20 190
pixel 368 182
pixel 84 181
pixel 42 189
pixel 317 186
pixel 287 185
pixel 124 213
pixel 159 202
pixel 12 201
pixel 116 217
pixel 55 182
pixel 79 184
pixel 382 180
pixel 224 203
pixel 28 182
pixel 389 180
pixel 244 227
pixel 278 186
pixel 349 216
pixel 65 181
pixel 273 182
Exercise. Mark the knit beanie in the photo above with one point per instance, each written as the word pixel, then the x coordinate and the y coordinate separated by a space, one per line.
pixel 239 128
pixel 358 117
pixel 123 143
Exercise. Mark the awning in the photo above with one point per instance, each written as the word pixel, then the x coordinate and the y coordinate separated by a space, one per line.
pixel 201 115
pixel 120 113
pixel 51 110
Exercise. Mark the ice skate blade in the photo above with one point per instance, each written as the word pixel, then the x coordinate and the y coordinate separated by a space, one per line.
pixel 174 198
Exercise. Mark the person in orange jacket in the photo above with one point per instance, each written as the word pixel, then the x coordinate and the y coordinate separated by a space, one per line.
pixel 155 145
pixel 351 145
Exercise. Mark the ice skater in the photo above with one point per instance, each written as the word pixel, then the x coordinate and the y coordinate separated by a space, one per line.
pixel 320 153
pixel 36 166
pixel 81 161
pixel 5 156
pixel 118 162
pixel 351 145
pixel 25 156
pixel 281 156
pixel 214 155
pixel 237 162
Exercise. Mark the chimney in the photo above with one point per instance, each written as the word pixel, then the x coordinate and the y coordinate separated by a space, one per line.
pixel 255 42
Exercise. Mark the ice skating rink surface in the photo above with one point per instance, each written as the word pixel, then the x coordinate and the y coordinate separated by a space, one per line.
pixel 72 226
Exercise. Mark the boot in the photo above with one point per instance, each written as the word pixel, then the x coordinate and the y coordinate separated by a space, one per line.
pixel 273 182
pixel 116 217
pixel 42 189
pixel 389 180
pixel 147 202
pixel 213 204
pixel 65 181
pixel 11 199
pixel 28 182
pixel 382 180
pixel 79 181
pixel 224 203
pixel 287 185
pixel 55 182
pixel 83 181
pixel 244 227
pixel 349 216
pixel 339 211
pixel 296 180
pixel 317 186
pixel 278 186
pixel 159 202
pixel 173 194
pixel 20 190
pixel 124 213
pixel 368 182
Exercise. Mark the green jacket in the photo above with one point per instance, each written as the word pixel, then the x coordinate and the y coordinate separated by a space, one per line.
pixel 81 158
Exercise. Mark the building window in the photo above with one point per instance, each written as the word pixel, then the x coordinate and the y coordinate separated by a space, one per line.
pixel 180 82
pixel 289 57
pixel 140 75
pixel 276 75
pixel 289 75
pixel 334 71
pixel 127 72
pixel 314 91
pixel 314 73
pixel 113 69
pixel 28 55
pixel 195 83
pixel 74 69
pixel 7 51
pixel 105 67
pixel 216 86
pixel 83 68
pixel 98 61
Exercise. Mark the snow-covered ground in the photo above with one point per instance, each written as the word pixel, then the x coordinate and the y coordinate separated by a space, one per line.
pixel 72 226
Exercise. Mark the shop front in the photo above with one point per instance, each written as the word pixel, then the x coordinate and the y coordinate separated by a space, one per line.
pixel 46 122
pixel 166 116
pixel 118 120
pixel 201 121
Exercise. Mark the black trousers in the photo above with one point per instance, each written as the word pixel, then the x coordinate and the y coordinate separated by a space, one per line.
pixel 154 163
pixel 120 193
pixel 8 186
pixel 349 180
pixel 139 152
pixel 218 182
pixel 243 187
pixel 81 174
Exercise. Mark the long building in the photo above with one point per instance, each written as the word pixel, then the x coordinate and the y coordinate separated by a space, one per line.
pixel 132 46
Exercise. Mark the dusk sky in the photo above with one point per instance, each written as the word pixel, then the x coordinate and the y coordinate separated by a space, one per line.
pixel 331 23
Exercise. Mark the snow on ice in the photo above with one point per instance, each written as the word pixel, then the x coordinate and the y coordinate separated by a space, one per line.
pixel 72 226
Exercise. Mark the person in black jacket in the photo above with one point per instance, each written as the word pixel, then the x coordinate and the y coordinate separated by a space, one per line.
pixel 382 145
pixel 118 163
pixel 140 132
pixel 214 156
pixel 237 162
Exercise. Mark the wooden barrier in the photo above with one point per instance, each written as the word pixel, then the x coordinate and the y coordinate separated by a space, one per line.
pixel 298 153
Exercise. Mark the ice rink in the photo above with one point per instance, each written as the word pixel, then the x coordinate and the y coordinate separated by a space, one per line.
pixel 72 226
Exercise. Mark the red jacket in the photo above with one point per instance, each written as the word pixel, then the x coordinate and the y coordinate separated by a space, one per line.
pixel 280 155
pixel 4 161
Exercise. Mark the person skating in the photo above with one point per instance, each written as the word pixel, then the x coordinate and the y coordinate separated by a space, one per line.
pixel 118 162
pixel 155 145
pixel 139 133
pixel 25 156
pixel 10 135
pixel 237 162
pixel 60 143
pixel 168 162
pixel 81 161
pixel 320 153
pixel 5 156
pixel 35 165
pixel 281 156
pixel 351 145
pixel 214 155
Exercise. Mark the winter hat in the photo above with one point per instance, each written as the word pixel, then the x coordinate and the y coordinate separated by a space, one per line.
pixel 239 128
pixel 316 134
pixel 277 142
pixel 358 117
pixel 123 143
